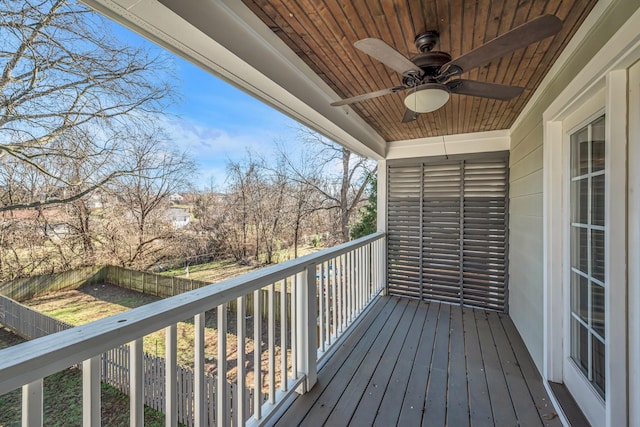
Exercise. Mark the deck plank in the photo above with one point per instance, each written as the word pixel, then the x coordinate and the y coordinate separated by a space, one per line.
pixel 352 395
pixel 501 407
pixel 339 368
pixel 523 403
pixel 531 374
pixel 457 400
pixel 479 404
pixel 367 410
pixel 436 399
pixel 412 363
pixel 397 386
pixel 413 403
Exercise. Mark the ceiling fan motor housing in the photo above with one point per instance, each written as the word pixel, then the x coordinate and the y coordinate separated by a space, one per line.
pixel 430 62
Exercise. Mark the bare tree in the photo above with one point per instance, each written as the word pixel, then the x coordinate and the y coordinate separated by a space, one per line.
pixel 69 94
pixel 335 173
pixel 141 219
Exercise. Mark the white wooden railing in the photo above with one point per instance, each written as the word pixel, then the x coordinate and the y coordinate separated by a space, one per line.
pixel 329 290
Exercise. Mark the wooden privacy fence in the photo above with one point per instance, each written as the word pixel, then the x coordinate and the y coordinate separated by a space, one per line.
pixel 31 324
pixel 28 287
pixel 168 286
pixel 26 322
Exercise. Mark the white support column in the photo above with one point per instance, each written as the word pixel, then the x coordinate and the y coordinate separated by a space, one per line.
pixel 200 403
pixel 221 392
pixel 136 384
pixel 382 220
pixel 171 392
pixel 91 392
pixel 32 404
pixel 306 309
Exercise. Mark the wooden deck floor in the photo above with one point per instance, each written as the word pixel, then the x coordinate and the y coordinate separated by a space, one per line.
pixel 410 363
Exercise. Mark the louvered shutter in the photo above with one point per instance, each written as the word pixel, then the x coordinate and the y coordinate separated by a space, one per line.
pixel 447 230
pixel 403 210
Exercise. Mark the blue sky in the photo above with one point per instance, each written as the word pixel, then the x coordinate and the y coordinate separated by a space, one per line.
pixel 214 121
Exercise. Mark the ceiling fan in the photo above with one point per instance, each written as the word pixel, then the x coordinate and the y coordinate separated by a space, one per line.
pixel 429 74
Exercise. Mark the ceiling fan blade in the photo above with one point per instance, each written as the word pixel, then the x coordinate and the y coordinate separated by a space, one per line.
pixel 366 96
pixel 384 53
pixel 535 30
pixel 483 89
pixel 409 116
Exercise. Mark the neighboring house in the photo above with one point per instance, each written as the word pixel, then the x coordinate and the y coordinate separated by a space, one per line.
pixel 176 198
pixel 95 201
pixel 529 206
pixel 178 217
pixel 52 222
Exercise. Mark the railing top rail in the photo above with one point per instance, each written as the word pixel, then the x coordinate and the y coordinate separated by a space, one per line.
pixel 27 362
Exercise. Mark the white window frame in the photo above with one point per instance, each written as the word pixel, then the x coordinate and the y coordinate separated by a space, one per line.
pixel 606 73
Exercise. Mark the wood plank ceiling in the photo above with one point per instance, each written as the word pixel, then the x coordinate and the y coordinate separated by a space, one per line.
pixel 322 33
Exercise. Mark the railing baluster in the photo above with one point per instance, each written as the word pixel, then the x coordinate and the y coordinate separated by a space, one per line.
pixel 327 305
pixel 343 291
pixel 200 403
pixel 334 297
pixel 241 380
pixel 32 404
pixel 221 392
pixel 283 335
pixel 272 344
pixel 320 285
pixel 257 354
pixel 136 384
pixel 91 392
pixel 295 326
pixel 171 392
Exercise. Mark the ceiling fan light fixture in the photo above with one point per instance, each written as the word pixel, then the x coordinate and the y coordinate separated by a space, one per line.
pixel 427 97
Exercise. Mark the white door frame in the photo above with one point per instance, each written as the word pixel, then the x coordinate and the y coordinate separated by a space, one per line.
pixel 634 242
pixel 606 72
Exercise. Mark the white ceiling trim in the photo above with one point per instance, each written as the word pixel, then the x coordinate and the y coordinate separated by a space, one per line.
pixel 225 38
pixel 465 143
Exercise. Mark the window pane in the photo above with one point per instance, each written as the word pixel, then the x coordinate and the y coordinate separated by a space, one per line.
pixel 580 201
pixel 597 145
pixel 580 152
pixel 580 344
pixel 580 296
pixel 598 365
pixel 597 200
pixel 597 308
pixel 597 254
pixel 579 258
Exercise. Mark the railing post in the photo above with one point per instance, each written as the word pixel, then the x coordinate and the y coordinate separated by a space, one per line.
pixel 32 404
pixel 307 332
pixel 91 416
